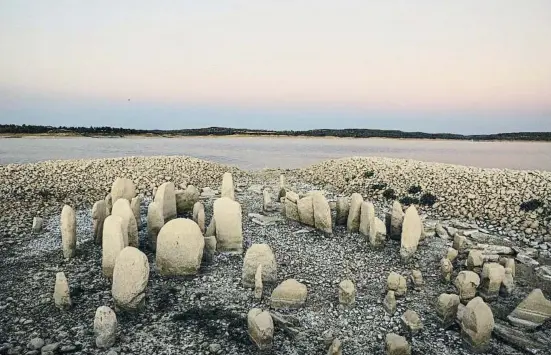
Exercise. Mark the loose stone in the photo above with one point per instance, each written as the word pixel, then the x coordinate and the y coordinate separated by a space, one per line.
pixel 446 309
pixel 260 328
pixel 491 280
pixel 446 269
pixel 347 293
pixel 417 280
pixel 397 345
pixel 289 294
pixel 411 322
pixel 389 303
pixel 466 283
pixel 37 225
pixel 397 283
pixel 477 324
pixel 532 312
pixel 105 327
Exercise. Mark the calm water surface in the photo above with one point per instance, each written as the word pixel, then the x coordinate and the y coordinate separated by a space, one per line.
pixel 268 152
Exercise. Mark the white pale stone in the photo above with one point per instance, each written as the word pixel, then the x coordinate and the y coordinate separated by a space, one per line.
pixel 122 209
pixel 166 198
pixel 199 215
pixel 62 297
pixel 112 243
pixel 353 222
pixel 99 213
pixel 130 278
pixel 259 254
pixel 411 233
pixel 155 221
pixel 180 245
pixel 122 188
pixel 68 231
pixel 228 189
pixel 105 327
pixel 229 229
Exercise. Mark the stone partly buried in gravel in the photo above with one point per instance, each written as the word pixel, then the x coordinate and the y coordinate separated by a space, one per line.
pixel 122 209
pixel 397 283
pixel 130 278
pixel 377 233
pixel 229 229
pixel 122 188
pixel 508 284
pixel 477 324
pixel 166 198
pixel 227 189
pixel 68 231
pixel 411 233
pixel 99 214
pixel 37 225
pixel 367 218
pixel 389 303
pixel 180 245
pixel 112 244
pixel 105 327
pixel 260 328
pixel 259 254
pixel 532 312
pixel 62 298
pixel 491 280
pixel 210 248
pixel 342 211
pixel 353 222
pixel 347 293
pixel 446 269
pixel 289 294
pixel 396 221
pixel 335 348
pixel 135 205
pixel 397 345
pixel 446 309
pixel 475 259
pixel 306 210
pixel 186 199
pixel 155 222
pixel 417 280
pixel 466 283
pixel 411 322
pixel 322 213
pixel 291 208
pixel 451 255
pixel 258 284
pixel 199 215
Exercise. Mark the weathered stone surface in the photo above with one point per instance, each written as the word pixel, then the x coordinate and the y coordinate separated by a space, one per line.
pixel 377 233
pixel 180 247
pixel 441 232
pixel 135 205
pixel 335 348
pixel 347 293
pixel 99 213
pixel 451 255
pixel 342 211
pixel 306 210
pixel 353 222
pixel 466 283
pixel 186 199
pixel 491 279
pixel 199 215
pixel 259 254
pixel 210 248
pixel 475 259
pixel 508 263
pixel 227 189
pixel 112 243
pixel 289 294
pixel 508 284
pixel 518 338
pixel 211 229
pixel 396 220
pixel 411 233
pixel 367 218
pixel 282 189
pixel 459 242
pixel 166 198
pixel 446 309
pixel 130 278
pixel 397 283
pixel 260 328
pixel 68 231
pixel 446 269
pixel 105 327
pixel 532 312
pixel 267 201
pixel 37 225
pixel 258 285
pixel 229 233
pixel 411 322
pixel 155 221
pixel 397 345
pixel 122 209
pixel 389 303
pixel 62 296
pixel 322 213
pixel 417 280
pixel 477 324
pixel 122 188
pixel 109 202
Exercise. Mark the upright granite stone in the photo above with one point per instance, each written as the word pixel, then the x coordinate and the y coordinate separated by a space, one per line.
pixel 68 231
pixel 397 345
pixel 466 283
pixel 112 243
pixel 417 280
pixel 322 213
pixel 282 189
pixel 210 248
pixel 130 278
pixel 122 209
pixel 389 303
pixel 396 220
pixel 180 245
pixel 122 188
pixel 109 202
pixel 451 255
pixel 105 327
pixel 135 205
pixel 459 242
pixel 475 259
pixel 258 284
pixel 353 222
pixel 211 229
pixel 446 309
pixel 397 283
pixel 260 328
pixel 186 199
pixel 166 198
pixel 377 233
pixel 532 312
pixel 508 284
pixel 267 202
pixel 342 211
pixel 291 208
pixel 229 232
pixel 446 269
pixel 306 210
pixel 477 325
pixel 289 294
pixel 99 213
pixel 411 322
pixel 491 279
pixel 62 296
pixel 411 233
pixel 37 225
pixel 259 254
pixel 228 189
pixel 199 215
pixel 155 222
pixel 367 218
pixel 347 293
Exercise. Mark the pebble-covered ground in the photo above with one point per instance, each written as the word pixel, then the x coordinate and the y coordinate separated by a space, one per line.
pixel 206 314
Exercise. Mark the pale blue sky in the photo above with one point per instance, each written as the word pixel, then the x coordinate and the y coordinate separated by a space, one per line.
pixel 464 66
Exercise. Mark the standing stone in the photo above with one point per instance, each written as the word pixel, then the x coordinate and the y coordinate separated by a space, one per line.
pixel 99 213
pixel 491 279
pixel 411 233
pixel 411 322
pixel 62 297
pixel 180 247
pixel 475 259
pixel 306 210
pixel 446 269
pixel 37 225
pixel 105 327
pixel 342 211
pixel 451 255
pixel 367 218
pixel 135 205
pixel 166 198
pixel 446 309
pixel 532 312
pixel 210 248
pixel 353 222
pixel 508 263
pixel 347 293
pixel 459 242
pixel 112 244
pixel 389 303
pixel 477 324
pixel 377 233
pixel 335 348
pixel 508 283
pixel 466 283
pixel 289 294
pixel 199 215
pixel 397 345
pixel 291 208
pixel 267 203
pixel 396 220
pixel 155 222
pixel 68 231
pixel 109 203
pixel 260 328
pixel 417 280
pixel 122 188
pixel 259 254
pixel 130 278
pixel 186 199
pixel 322 213
pixel 122 209
pixel 282 190
pixel 397 283
pixel 211 229
pixel 229 232
pixel 228 189
pixel 258 285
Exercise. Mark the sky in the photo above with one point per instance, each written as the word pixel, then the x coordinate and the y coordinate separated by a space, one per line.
pixel 465 66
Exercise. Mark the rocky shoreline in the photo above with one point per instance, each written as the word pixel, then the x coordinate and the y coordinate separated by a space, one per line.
pixel 207 313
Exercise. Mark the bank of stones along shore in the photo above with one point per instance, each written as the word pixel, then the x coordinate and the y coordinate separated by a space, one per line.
pixel 181 245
